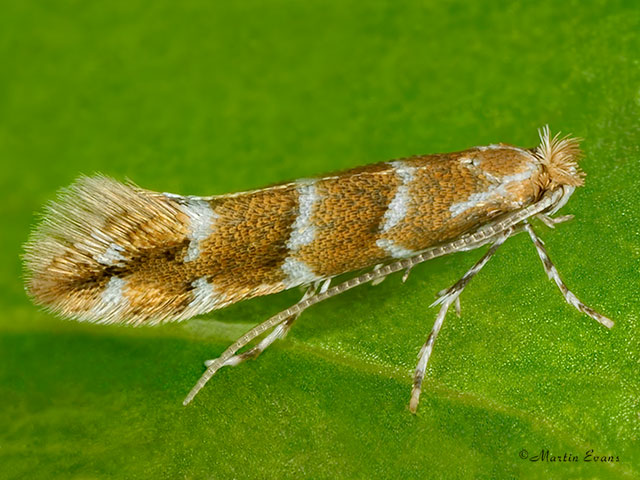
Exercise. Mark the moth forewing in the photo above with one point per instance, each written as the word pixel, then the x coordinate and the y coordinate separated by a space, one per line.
pixel 115 253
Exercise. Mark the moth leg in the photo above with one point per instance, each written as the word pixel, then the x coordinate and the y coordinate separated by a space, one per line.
pixel 447 297
pixel 551 222
pixel 283 316
pixel 553 274
pixel 406 273
pixel 279 331
pixel 442 293
pixel 378 280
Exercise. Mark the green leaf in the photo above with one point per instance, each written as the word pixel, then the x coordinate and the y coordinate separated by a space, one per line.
pixel 215 97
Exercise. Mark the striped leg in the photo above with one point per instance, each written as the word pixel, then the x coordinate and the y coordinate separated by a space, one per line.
pixel 551 222
pixel 553 274
pixel 443 292
pixel 447 297
pixel 279 331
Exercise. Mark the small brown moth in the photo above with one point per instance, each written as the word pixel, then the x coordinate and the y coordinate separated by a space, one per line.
pixel 109 252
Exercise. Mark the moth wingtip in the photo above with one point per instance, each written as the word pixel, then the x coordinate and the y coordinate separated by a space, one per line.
pixel 67 247
pixel 82 257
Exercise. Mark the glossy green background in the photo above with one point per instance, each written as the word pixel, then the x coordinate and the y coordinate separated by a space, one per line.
pixel 213 97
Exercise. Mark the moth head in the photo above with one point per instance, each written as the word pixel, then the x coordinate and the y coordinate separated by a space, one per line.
pixel 559 157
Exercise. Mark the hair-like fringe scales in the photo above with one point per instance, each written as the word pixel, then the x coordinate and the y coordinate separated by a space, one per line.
pixel 82 233
pixel 560 156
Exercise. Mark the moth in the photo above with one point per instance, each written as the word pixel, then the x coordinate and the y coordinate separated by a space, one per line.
pixel 109 252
